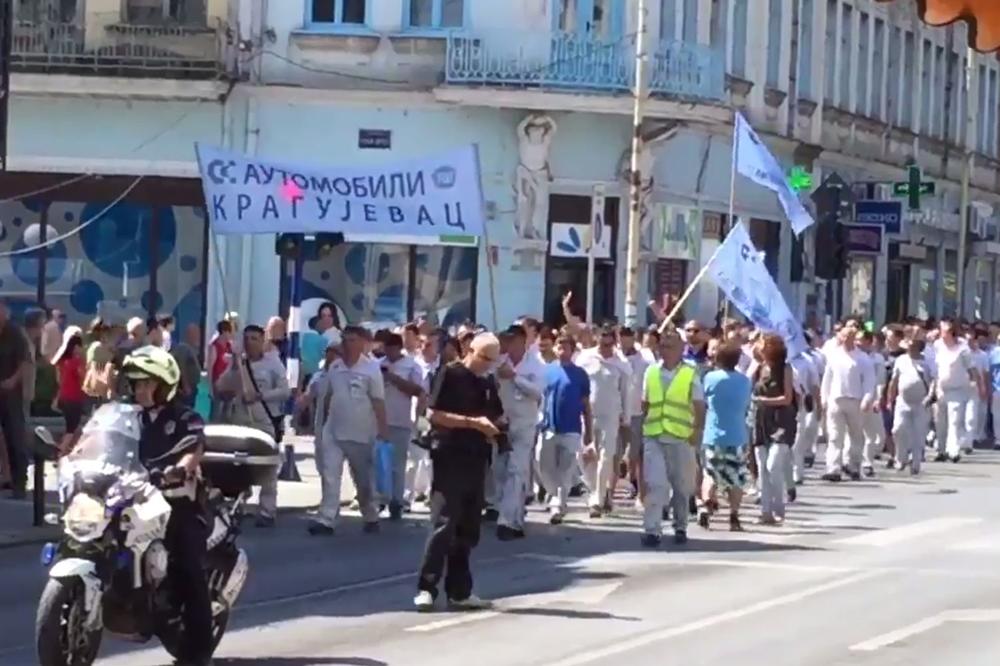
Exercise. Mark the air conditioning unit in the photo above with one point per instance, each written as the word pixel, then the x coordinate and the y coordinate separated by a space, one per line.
pixel 977 224
pixel 883 192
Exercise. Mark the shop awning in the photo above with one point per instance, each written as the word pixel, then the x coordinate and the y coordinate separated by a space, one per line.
pixel 983 17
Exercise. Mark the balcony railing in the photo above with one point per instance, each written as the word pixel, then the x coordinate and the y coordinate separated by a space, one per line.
pixel 572 62
pixel 113 48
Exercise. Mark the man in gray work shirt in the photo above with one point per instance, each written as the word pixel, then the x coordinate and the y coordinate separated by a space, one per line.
pixel 355 417
pixel 256 388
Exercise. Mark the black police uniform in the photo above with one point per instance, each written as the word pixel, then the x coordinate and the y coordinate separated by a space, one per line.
pixel 168 434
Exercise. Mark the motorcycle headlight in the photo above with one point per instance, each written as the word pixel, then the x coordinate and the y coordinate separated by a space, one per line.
pixel 85 519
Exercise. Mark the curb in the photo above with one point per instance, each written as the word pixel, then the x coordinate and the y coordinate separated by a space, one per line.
pixel 33 536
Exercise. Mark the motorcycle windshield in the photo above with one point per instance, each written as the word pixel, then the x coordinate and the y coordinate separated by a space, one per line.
pixel 108 450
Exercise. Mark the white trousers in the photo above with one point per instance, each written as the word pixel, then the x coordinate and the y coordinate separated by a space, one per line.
pixel 330 458
pixel 952 435
pixel 805 443
pixel 597 473
pixel 515 468
pixel 874 436
pixel 667 467
pixel 557 465
pixel 418 473
pixel 975 419
pixel 909 431
pixel 844 424
pixel 772 461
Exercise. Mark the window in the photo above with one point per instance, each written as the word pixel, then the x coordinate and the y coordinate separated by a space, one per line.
pixel 384 283
pixel 668 19
pixel 138 259
pixel 740 38
pixel 940 93
pixel 146 12
pixel 909 81
pixel 830 82
pixel 991 117
pixel 774 44
pixel 690 33
pixel 878 70
pixel 862 279
pixel 343 12
pixel 805 50
pixel 34 11
pixel 864 50
pixel 433 14
pixel 717 28
pixel 926 72
pixel 893 76
pixel 844 66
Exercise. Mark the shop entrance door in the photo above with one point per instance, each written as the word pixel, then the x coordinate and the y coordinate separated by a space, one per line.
pixel 897 293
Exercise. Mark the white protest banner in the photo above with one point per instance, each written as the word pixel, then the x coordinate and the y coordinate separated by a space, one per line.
pixel 435 195
pixel 739 271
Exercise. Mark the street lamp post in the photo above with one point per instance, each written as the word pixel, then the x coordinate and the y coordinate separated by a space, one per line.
pixel 635 172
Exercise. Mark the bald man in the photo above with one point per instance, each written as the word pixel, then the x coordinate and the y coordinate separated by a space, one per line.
pixel 466 413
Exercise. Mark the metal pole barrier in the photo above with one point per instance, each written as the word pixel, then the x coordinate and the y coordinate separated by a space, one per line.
pixel 289 470
pixel 38 493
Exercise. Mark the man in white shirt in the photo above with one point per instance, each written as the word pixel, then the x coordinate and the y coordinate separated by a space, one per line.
pixel 815 423
pixel 978 405
pixel 910 391
pixel 403 385
pixel 630 441
pixel 355 417
pixel 807 384
pixel 874 428
pixel 955 372
pixel 609 392
pixel 848 389
pixel 522 388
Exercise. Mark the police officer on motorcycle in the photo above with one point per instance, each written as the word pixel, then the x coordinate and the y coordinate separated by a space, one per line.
pixel 172 444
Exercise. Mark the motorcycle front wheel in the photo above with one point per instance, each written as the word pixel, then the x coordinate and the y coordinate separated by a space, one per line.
pixel 172 636
pixel 61 635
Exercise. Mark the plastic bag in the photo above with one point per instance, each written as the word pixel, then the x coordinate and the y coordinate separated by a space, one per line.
pixel 383 468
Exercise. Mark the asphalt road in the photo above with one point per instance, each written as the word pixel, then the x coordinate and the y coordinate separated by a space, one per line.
pixel 891 571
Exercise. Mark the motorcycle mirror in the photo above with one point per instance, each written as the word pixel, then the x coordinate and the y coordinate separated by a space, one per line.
pixel 45 443
pixel 44 436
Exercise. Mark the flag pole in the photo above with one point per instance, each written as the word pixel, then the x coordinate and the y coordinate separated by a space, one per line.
pixel 732 205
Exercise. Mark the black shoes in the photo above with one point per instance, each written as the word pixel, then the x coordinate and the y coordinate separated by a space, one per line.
pixel 832 477
pixel 395 511
pixel 505 533
pixel 793 494
pixel 650 540
pixel 491 516
pixel 734 523
pixel 680 537
pixel 319 529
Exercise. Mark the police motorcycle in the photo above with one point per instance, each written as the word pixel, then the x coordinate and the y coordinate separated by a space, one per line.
pixel 109 571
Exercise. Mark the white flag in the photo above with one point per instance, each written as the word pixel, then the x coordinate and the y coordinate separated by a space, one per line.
pixel 755 161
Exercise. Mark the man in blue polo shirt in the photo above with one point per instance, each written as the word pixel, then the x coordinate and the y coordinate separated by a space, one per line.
pixel 567 414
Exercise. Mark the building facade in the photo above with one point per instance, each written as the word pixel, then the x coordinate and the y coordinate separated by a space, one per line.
pixel 116 92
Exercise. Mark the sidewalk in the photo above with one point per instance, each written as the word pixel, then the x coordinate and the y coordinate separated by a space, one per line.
pixel 15 516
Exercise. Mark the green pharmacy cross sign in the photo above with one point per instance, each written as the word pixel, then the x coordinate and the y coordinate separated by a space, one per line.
pixel 800 180
pixel 913 188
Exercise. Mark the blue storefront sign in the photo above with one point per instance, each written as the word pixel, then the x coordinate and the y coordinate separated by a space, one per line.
pixel 886 214
pixel 864 238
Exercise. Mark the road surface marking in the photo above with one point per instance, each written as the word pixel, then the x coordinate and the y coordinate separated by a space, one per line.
pixel 879 642
pixel 597 653
pixel 590 595
pixel 349 587
pixel 989 544
pixel 896 535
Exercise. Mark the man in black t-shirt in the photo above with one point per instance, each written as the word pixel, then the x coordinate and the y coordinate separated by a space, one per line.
pixel 15 364
pixel 465 411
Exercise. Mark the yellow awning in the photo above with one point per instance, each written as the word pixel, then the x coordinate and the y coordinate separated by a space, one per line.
pixel 983 17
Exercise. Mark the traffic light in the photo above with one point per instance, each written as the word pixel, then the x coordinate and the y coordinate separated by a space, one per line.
pixel 831 250
pixel 291 246
pixel 833 201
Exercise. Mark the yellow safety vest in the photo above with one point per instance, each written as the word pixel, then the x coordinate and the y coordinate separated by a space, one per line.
pixel 670 412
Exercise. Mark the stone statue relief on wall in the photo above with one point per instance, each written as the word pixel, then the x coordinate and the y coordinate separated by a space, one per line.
pixel 647 213
pixel 532 180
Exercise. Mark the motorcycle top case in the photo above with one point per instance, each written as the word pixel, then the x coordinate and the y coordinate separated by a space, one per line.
pixel 238 458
